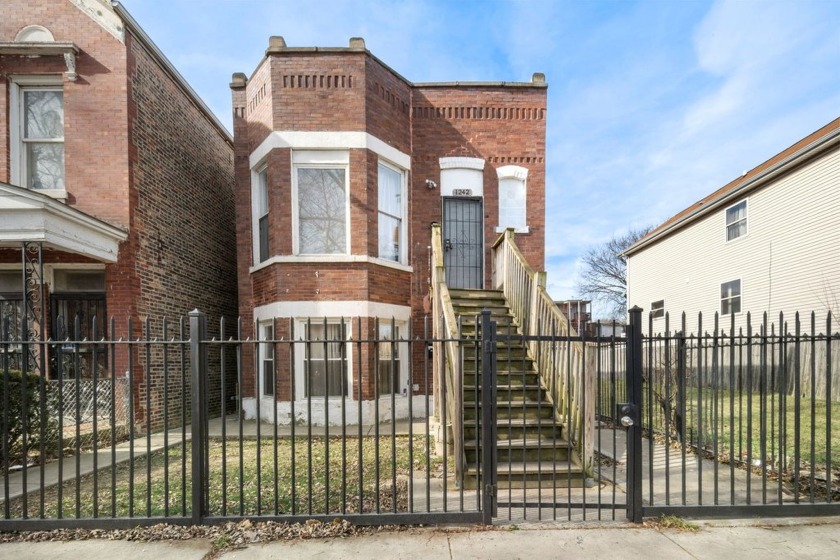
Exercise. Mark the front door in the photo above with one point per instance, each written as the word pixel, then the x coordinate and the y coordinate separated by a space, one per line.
pixel 463 242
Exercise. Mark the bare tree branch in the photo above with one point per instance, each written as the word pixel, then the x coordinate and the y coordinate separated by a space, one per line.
pixel 604 274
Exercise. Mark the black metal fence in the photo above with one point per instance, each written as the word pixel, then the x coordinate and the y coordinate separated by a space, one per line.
pixel 741 421
pixel 165 430
pixel 354 426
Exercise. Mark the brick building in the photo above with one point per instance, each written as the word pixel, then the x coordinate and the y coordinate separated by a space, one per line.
pixel 114 172
pixel 341 166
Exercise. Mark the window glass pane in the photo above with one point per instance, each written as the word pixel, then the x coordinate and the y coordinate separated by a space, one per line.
pixel 79 281
pixel 267 357
pixel 657 308
pixel 730 297
pixel 512 203
pixel 45 165
pixel 736 221
pixel 390 191
pixel 389 238
pixel 11 281
pixel 318 371
pixel 737 212
pixel 389 363
pixel 730 289
pixel 321 211
pixel 262 193
pixel 43 114
pixel 390 213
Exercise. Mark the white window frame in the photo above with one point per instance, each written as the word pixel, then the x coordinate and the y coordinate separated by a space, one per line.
pixel 403 256
pixel 17 155
pixel 745 219
pixel 320 159
pixel 256 186
pixel 740 297
pixel 300 356
pixel 520 175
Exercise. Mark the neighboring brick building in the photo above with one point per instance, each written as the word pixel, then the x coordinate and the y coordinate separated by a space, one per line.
pixel 112 163
pixel 342 165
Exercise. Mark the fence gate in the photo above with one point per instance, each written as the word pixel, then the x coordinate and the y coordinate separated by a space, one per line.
pixel 733 422
pixel 552 465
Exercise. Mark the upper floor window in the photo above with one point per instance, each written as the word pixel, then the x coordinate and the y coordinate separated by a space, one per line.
pixel 321 205
pixel 736 221
pixel 38 133
pixel 730 297
pixel 512 207
pixel 391 229
pixel 261 212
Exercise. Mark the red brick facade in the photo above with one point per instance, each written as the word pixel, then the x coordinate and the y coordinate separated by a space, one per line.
pixel 304 99
pixel 141 153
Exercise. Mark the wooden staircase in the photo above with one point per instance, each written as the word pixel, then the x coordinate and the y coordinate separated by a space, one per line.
pixel 532 449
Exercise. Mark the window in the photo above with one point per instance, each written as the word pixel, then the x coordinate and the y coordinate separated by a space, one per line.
pixel 325 360
pixel 78 312
pixel 657 309
pixel 42 138
pixel 736 221
pixel 512 198
pixel 390 213
pixel 730 297
pixel 267 361
pixel 388 359
pixel 321 210
pixel 261 212
pixel 11 314
pixel 78 281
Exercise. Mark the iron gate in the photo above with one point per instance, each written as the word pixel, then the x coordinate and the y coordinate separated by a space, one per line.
pixel 463 244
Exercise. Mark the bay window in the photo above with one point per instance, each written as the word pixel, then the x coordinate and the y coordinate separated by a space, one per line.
pixel 321 203
pixel 390 213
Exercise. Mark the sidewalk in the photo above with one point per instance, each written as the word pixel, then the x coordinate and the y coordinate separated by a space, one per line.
pixel 785 538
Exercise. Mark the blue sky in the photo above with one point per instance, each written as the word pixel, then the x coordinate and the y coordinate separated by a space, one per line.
pixel 651 105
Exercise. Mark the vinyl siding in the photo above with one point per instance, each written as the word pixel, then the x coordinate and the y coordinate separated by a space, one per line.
pixel 788 261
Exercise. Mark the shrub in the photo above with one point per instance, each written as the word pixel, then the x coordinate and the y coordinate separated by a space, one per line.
pixel 37 411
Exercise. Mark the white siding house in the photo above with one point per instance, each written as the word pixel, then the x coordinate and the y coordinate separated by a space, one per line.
pixel 766 242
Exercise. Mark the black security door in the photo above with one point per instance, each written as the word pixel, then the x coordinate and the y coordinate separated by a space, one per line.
pixel 463 242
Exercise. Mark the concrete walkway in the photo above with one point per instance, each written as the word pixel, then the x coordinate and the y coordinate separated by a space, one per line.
pixel 87 461
pixel 800 538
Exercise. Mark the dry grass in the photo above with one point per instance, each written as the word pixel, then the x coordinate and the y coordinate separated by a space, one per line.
pixel 311 477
